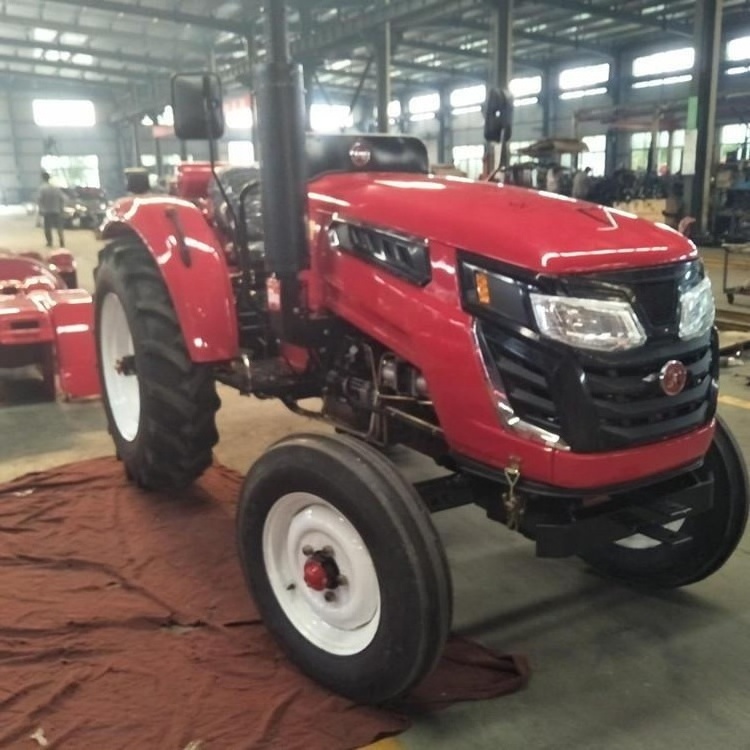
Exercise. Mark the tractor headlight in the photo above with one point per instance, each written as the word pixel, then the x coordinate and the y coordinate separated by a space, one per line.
pixel 697 310
pixel 601 325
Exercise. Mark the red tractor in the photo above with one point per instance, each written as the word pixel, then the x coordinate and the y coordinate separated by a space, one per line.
pixel 46 322
pixel 557 358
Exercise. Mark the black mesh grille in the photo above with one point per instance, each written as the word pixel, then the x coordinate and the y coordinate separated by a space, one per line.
pixel 599 404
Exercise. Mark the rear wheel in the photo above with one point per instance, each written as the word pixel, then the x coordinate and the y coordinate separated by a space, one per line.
pixel 160 405
pixel 715 533
pixel 345 565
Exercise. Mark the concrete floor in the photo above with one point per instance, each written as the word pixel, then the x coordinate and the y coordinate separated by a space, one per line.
pixel 612 668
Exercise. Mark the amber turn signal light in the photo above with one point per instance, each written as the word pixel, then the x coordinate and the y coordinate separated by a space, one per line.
pixel 482 286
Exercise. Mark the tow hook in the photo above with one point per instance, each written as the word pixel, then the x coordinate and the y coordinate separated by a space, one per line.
pixel 514 504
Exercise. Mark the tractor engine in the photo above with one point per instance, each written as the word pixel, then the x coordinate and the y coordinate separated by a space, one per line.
pixel 374 394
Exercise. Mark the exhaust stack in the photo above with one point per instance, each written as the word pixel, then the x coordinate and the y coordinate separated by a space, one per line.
pixel 281 131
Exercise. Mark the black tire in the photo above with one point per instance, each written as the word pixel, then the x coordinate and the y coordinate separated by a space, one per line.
pixel 48 366
pixel 715 533
pixel 176 428
pixel 406 553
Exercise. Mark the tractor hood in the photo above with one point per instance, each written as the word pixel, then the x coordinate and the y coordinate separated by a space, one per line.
pixel 537 231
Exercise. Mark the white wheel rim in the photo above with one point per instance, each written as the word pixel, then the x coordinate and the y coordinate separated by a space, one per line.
pixel 123 392
pixel 641 541
pixel 347 624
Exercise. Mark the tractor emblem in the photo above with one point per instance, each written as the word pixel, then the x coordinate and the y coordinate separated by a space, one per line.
pixel 672 377
pixel 360 154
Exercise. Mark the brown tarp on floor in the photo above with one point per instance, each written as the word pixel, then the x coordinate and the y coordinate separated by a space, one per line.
pixel 125 623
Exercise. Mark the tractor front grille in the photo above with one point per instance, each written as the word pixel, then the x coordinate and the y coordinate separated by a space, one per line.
pixel 603 402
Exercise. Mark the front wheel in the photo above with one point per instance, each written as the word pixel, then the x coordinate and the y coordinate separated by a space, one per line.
pixel 714 534
pixel 160 405
pixel 345 566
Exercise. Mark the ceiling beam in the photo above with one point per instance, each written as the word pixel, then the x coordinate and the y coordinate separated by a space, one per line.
pixel 332 35
pixel 8 74
pixel 521 62
pixel 91 30
pixel 145 59
pixel 97 69
pixel 519 33
pixel 162 14
pixel 676 28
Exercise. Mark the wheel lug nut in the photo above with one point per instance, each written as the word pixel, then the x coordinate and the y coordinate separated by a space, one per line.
pixel 308 551
pixel 329 596
pixel 342 581
pixel 327 551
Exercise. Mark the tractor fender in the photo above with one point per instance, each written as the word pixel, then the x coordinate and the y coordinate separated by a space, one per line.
pixel 72 316
pixel 192 263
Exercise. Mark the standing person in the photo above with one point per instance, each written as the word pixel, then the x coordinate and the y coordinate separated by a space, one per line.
pixel 582 183
pixel 553 179
pixel 51 204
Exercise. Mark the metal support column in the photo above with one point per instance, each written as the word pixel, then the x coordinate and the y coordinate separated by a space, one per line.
pixel 619 80
pixel 445 131
pixel 136 124
pixel 308 66
pixel 17 196
pixel 159 158
pixel 383 56
pixel 501 58
pixel 708 18
pixel 251 49
pixel 546 97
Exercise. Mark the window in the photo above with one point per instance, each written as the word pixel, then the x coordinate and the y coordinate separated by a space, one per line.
pixel 580 93
pixel 330 118
pixel 640 144
pixel 73 171
pixel 238 117
pixel 596 156
pixel 394 109
pixel 469 100
pixel 585 77
pixel 668 81
pixel 672 61
pixel 469 159
pixel 735 138
pixel 424 103
pixel 579 82
pixel 64 113
pixel 240 153
pixel 739 49
pixel 468 96
pixel 525 88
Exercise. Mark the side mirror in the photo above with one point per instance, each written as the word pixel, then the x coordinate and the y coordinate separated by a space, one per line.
pixel 498 116
pixel 197 106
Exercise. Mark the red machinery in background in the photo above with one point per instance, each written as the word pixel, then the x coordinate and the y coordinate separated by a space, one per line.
pixel 45 321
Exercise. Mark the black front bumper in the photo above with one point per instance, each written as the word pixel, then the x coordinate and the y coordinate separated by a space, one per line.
pixel 617 519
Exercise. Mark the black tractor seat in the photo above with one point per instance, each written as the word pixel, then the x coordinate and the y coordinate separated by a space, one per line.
pixel 324 154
